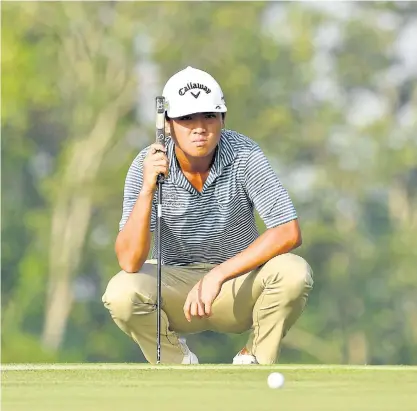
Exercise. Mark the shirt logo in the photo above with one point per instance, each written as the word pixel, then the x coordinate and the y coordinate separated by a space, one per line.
pixel 172 200
pixel 191 86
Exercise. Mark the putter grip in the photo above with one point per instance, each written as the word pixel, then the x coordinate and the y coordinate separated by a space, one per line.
pixel 160 127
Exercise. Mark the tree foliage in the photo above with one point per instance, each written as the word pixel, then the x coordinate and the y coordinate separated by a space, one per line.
pixel 328 92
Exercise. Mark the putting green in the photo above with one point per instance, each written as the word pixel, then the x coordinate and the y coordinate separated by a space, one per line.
pixel 125 387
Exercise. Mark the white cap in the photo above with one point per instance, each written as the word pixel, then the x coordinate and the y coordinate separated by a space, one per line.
pixel 193 91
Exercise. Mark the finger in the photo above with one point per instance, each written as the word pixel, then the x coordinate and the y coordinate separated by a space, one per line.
pixel 155 156
pixel 194 309
pixel 207 308
pixel 159 146
pixel 155 148
pixel 200 308
pixel 161 170
pixel 158 156
pixel 186 309
pixel 161 162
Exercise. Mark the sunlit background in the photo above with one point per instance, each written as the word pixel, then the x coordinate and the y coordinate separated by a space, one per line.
pixel 328 90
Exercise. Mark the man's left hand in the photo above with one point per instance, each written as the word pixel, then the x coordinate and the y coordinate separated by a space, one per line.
pixel 200 299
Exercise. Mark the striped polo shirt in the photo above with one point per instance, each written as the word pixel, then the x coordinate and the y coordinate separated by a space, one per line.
pixel 218 223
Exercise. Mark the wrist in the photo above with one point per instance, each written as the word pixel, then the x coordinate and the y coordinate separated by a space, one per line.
pixel 147 191
pixel 217 275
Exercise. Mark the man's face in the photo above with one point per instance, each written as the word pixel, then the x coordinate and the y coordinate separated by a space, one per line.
pixel 197 135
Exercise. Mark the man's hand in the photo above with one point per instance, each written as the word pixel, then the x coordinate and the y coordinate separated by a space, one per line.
pixel 200 299
pixel 155 163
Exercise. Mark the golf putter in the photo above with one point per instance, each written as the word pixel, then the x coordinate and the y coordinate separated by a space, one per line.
pixel 160 138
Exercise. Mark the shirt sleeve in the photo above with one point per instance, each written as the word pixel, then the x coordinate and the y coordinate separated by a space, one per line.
pixel 266 192
pixel 133 185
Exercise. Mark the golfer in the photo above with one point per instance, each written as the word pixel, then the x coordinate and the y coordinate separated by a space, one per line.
pixel 218 273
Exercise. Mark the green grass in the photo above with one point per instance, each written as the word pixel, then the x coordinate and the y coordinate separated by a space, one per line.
pixel 136 387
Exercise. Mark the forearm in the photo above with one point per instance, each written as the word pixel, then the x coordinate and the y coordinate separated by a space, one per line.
pixel 273 242
pixel 133 242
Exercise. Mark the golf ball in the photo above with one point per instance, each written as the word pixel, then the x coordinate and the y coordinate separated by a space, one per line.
pixel 275 380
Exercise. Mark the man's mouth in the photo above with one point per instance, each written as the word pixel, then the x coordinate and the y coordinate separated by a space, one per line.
pixel 200 139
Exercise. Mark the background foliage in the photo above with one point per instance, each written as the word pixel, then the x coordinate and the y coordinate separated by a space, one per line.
pixel 327 89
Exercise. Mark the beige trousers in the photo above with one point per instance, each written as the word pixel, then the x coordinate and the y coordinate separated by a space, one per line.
pixel 266 301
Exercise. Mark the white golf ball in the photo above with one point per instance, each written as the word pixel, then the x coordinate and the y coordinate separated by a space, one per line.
pixel 275 380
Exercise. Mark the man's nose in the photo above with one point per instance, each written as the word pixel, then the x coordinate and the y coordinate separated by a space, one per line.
pixel 200 123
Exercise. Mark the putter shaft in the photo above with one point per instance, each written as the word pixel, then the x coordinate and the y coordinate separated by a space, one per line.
pixel 159 274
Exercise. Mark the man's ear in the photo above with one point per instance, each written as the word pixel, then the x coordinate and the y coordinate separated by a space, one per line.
pixel 167 127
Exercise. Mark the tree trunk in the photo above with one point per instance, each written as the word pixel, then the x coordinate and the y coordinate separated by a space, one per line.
pixel 71 215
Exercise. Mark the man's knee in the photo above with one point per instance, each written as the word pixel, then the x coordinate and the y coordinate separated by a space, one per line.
pixel 129 294
pixel 292 274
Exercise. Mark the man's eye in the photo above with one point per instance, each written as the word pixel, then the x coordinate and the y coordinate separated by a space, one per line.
pixel 210 115
pixel 185 118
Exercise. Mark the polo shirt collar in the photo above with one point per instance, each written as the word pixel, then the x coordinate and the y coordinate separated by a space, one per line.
pixel 225 154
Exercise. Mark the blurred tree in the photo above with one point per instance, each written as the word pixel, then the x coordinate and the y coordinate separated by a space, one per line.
pixel 93 90
pixel 328 93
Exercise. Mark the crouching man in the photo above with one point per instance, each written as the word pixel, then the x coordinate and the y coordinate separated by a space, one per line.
pixel 218 273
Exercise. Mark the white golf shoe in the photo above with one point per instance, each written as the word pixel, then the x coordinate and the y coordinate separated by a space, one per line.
pixel 244 358
pixel 189 357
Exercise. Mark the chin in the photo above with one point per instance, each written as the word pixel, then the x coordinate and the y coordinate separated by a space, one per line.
pixel 200 152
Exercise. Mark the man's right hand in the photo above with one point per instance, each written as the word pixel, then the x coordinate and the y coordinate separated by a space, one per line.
pixel 155 163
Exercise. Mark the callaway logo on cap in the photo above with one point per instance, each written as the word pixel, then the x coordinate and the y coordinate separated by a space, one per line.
pixel 193 91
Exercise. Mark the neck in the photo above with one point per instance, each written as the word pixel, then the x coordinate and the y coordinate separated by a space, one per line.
pixel 194 165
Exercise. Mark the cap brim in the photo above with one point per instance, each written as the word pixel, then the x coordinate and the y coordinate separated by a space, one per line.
pixel 186 111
